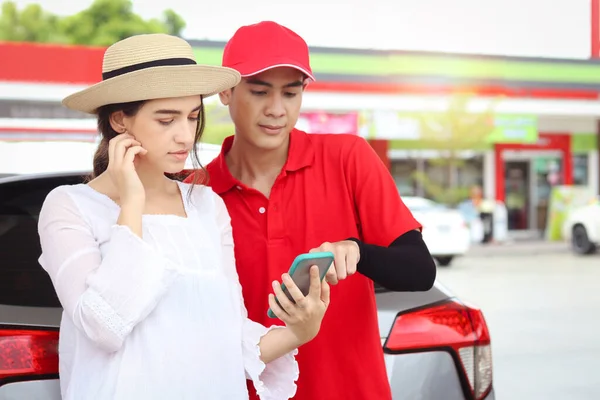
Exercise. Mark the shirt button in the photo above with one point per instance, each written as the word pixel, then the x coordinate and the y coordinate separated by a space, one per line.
pixel 239 187
pixel 262 210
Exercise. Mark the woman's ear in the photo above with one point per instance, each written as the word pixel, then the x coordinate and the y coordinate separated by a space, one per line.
pixel 117 122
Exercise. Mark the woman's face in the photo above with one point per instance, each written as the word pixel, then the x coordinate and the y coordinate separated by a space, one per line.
pixel 166 128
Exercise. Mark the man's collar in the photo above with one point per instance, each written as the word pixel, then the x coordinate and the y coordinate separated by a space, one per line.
pixel 300 155
pixel 219 176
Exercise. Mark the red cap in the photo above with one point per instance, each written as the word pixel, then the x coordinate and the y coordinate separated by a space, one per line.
pixel 259 47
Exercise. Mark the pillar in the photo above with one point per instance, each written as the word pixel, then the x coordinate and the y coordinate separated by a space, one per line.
pixel 595 29
pixel 568 163
pixel 598 156
pixel 489 174
pixel 594 171
pixel 499 173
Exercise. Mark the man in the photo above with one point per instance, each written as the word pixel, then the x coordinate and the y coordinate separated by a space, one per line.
pixel 477 210
pixel 289 193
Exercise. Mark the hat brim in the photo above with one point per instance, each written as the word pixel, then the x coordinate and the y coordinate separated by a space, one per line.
pixel 251 70
pixel 154 83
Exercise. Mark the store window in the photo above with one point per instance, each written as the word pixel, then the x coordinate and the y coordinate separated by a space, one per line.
pixel 467 173
pixel 403 173
pixel 580 169
pixel 470 173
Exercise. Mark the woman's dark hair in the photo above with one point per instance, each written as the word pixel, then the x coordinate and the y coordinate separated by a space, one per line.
pixel 107 132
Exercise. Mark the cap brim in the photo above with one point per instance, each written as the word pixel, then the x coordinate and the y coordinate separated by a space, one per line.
pixel 247 71
pixel 154 83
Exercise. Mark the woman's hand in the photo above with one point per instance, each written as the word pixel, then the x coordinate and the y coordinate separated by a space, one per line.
pixel 122 150
pixel 304 317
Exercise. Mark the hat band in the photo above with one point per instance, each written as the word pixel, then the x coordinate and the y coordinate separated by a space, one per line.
pixel 147 64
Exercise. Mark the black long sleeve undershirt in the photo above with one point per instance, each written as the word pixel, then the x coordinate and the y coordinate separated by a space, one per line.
pixel 405 266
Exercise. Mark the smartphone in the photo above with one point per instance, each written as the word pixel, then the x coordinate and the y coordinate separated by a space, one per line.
pixel 300 272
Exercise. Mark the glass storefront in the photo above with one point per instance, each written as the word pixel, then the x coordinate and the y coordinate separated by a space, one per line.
pixel 528 184
pixel 403 173
pixel 580 169
pixel 467 173
pixel 528 181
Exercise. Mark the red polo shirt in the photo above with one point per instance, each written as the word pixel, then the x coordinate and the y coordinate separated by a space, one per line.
pixel 332 187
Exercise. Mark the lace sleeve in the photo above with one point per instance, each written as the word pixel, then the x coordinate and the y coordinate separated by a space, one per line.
pixel 105 296
pixel 273 381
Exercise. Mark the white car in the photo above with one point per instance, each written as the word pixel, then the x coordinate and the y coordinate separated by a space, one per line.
pixel 582 228
pixel 445 230
pixel 435 345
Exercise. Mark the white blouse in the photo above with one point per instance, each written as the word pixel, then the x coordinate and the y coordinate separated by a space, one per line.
pixel 155 318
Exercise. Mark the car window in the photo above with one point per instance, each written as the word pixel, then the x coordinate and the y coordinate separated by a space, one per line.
pixel 23 282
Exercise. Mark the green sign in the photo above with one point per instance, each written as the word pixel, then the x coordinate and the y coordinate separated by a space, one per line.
pixel 384 64
pixel 514 129
pixel 584 142
pixel 395 126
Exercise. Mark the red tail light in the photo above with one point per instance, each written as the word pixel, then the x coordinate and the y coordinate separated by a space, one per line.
pixel 28 352
pixel 449 326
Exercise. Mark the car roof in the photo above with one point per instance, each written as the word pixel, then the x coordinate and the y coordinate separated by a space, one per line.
pixel 388 302
pixel 44 175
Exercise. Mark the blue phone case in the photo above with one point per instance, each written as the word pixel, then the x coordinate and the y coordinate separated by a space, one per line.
pixel 300 272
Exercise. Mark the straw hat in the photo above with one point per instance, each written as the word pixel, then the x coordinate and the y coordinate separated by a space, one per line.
pixel 151 66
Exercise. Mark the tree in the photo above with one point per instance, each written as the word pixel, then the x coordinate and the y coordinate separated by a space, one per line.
pixel 32 24
pixel 103 23
pixel 452 132
pixel 174 22
pixel 219 124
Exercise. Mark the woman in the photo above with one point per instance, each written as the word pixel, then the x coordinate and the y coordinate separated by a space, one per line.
pixel 144 265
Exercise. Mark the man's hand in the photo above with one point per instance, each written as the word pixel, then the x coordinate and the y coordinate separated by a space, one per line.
pixel 346 256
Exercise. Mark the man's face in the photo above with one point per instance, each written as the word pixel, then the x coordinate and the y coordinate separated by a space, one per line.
pixel 265 107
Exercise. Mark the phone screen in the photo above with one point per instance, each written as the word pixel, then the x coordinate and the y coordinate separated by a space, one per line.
pixel 301 275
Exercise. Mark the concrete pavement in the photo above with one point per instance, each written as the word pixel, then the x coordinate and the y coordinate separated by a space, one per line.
pixel 518 248
pixel 542 311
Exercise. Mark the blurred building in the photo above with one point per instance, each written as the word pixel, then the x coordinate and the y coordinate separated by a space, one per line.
pixel 544 130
